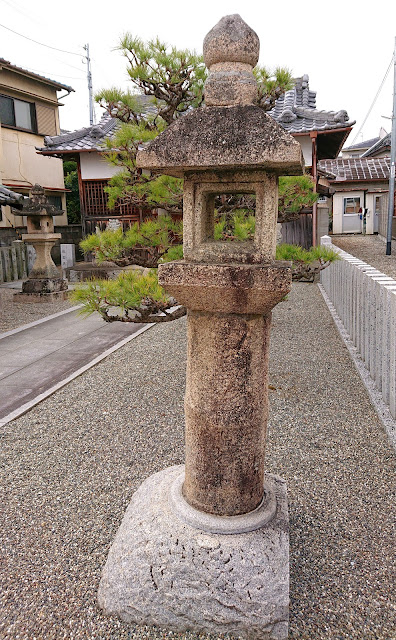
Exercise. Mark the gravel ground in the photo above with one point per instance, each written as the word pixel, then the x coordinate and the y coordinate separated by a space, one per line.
pixel 71 464
pixel 370 249
pixel 15 314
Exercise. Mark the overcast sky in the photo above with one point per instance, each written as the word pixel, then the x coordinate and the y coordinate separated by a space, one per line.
pixel 343 47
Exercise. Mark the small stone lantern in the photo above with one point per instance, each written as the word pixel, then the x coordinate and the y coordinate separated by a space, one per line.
pixel 44 282
pixel 205 546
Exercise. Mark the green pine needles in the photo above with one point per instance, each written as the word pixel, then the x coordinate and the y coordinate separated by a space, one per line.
pixel 136 296
pixel 133 297
pixel 306 264
pixel 145 244
pixel 168 81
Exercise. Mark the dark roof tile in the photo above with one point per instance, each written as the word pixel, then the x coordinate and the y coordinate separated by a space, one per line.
pixel 381 145
pixel 366 144
pixel 296 111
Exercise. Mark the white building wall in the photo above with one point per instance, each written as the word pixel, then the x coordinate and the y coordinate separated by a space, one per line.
pixel 338 207
pixel 21 166
pixel 95 167
pixel 370 205
pixel 338 210
pixel 306 148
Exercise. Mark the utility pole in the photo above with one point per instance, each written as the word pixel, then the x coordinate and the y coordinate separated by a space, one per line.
pixel 392 165
pixel 90 93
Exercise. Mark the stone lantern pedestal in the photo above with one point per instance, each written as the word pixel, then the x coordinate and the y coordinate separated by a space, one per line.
pixel 205 546
pixel 44 282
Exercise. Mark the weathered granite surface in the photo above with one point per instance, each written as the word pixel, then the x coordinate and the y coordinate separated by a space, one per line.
pixel 161 571
pixel 211 137
pixel 227 288
pixel 44 281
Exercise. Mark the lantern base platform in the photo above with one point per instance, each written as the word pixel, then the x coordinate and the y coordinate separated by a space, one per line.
pixel 164 572
pixel 40 297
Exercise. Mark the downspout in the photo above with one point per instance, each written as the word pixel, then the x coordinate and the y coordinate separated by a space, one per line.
pixel 314 135
pixel 81 193
pixel 66 94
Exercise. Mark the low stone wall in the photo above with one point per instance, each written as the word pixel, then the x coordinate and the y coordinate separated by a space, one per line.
pixel 365 301
pixel 14 262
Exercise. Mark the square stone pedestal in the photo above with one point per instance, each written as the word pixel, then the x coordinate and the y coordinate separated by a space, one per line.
pixel 43 290
pixel 41 297
pixel 170 567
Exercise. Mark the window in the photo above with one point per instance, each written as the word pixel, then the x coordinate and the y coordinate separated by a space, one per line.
pixel 17 113
pixel 56 201
pixel 351 206
pixel 95 202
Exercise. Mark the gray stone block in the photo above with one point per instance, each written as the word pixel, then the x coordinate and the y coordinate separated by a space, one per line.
pixel 31 257
pixel 386 340
pixel 326 240
pixel 162 571
pixel 14 263
pixel 392 359
pixel 68 255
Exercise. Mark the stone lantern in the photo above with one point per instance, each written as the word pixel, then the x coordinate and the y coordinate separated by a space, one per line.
pixel 205 546
pixel 44 282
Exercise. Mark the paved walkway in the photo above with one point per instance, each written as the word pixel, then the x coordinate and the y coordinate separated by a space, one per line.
pixel 41 357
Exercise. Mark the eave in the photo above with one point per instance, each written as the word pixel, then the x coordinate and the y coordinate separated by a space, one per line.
pixel 58 86
pixel 363 180
pixel 330 142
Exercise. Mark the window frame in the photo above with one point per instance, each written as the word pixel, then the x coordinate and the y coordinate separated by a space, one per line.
pixel 33 117
pixel 351 213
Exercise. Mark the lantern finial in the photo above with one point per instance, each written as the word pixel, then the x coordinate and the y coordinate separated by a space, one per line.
pixel 231 50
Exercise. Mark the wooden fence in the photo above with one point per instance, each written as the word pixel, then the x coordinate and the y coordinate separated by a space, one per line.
pixel 298 231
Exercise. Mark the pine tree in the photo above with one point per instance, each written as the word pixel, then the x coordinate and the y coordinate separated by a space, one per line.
pixel 169 81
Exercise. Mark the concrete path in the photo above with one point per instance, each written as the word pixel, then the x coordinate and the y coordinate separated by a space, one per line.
pixel 41 357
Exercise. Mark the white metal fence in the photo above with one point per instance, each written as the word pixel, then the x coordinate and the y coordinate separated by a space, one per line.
pixel 365 301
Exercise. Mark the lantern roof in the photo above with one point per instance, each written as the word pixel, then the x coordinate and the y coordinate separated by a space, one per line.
pixel 230 132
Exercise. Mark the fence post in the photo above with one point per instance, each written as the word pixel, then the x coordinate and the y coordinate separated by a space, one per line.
pixel 392 354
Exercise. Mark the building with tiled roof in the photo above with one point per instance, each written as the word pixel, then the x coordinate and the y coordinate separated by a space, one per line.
pixel 320 133
pixel 91 138
pixel 296 112
pixel 59 86
pixel 380 149
pixel 362 148
pixel 359 184
pixel 357 149
pixel 29 105
pixel 357 169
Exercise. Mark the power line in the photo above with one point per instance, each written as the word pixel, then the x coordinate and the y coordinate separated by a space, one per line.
pixel 44 73
pixel 72 53
pixel 374 101
pixel 14 6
